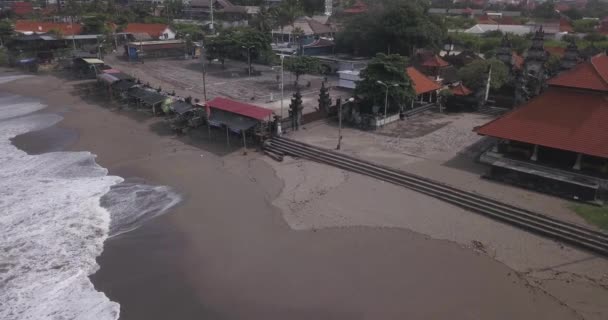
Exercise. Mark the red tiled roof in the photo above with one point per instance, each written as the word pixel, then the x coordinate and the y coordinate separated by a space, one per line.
pixel 358 7
pixel 155 30
pixel 244 109
pixel 22 8
pixel 421 83
pixel 590 75
pixel 434 61
pixel 27 26
pixel 558 51
pixel 570 120
pixel 565 25
pixel 460 90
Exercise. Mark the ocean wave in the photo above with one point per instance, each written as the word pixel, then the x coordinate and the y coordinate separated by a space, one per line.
pixel 52 224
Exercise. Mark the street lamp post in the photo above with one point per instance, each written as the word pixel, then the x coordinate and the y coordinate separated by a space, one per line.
pixel 340 122
pixel 279 129
pixel 386 98
pixel 248 57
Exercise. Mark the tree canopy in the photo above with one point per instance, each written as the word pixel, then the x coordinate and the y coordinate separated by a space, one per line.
pixel 300 65
pixel 474 74
pixel 392 26
pixel 391 70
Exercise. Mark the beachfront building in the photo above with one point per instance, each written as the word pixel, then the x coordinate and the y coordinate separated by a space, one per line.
pixel 155 49
pixel 557 142
pixel 239 118
pixel 150 31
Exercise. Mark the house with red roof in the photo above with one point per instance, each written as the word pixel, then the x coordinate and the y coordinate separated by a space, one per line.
pixel 28 27
pixel 357 8
pixel 22 9
pixel 557 142
pixel 155 31
pixel 425 88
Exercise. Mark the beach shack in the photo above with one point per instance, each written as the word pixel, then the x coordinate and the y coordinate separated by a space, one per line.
pixel 109 77
pixel 185 115
pixel 88 68
pixel 238 117
pixel 147 98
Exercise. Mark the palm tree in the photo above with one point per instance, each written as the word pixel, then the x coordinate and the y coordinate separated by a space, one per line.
pixel 287 13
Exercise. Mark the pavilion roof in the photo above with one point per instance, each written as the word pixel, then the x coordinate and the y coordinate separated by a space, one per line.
pixel 590 75
pixel 566 119
pixel 421 83
pixel 240 108
pixel 434 61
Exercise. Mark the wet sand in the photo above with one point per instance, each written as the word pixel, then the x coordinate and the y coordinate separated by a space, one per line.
pixel 227 253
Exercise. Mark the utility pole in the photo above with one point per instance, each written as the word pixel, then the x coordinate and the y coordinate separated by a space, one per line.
pixel 203 52
pixel 386 98
pixel 339 101
pixel 211 10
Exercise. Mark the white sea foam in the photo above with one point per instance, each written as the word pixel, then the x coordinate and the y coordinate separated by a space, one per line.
pixel 52 226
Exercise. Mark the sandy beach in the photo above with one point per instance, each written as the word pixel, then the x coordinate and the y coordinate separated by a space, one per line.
pixel 254 239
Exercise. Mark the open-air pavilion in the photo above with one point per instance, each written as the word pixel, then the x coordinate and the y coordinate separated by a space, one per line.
pixel 239 118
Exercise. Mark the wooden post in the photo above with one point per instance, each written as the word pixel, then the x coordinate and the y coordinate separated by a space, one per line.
pixel 227 136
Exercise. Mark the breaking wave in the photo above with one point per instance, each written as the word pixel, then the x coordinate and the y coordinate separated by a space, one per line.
pixel 56 211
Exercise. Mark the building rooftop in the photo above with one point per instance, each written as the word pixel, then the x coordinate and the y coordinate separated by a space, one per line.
pixel 421 83
pixel 561 119
pixel 240 108
pixel 31 27
pixel 155 30
pixel 590 75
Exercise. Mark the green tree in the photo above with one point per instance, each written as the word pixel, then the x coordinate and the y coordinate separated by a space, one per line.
pixel 474 74
pixel 6 31
pixel 594 37
pixel 295 109
pixel 324 99
pixel 545 10
pixel 391 70
pixel 595 8
pixel 394 27
pixel 302 65
pixel 263 20
pixel 552 64
pixel 251 41
pixel 219 47
pixel 182 29
pixel 573 14
pixel 94 25
pixel 584 26
pixel 287 13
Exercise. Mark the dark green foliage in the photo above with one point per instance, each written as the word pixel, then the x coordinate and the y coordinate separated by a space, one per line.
pixel 394 26
pixel 324 99
pixel 474 75
pixel 390 69
pixel 302 65
pixel 295 109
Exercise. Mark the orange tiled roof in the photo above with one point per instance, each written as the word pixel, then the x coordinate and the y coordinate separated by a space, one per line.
pixel 155 30
pixel 460 90
pixel 434 61
pixel 571 120
pixel 558 51
pixel 28 26
pixel 590 75
pixel 421 83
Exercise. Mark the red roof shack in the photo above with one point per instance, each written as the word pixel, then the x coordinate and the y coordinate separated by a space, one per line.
pixel 240 108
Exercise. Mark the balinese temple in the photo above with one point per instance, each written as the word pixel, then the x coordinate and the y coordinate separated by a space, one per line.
pixel 557 142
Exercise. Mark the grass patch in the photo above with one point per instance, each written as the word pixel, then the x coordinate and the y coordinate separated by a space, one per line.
pixel 593 214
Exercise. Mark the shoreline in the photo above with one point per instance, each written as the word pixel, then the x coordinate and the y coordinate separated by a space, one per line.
pixel 227 252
